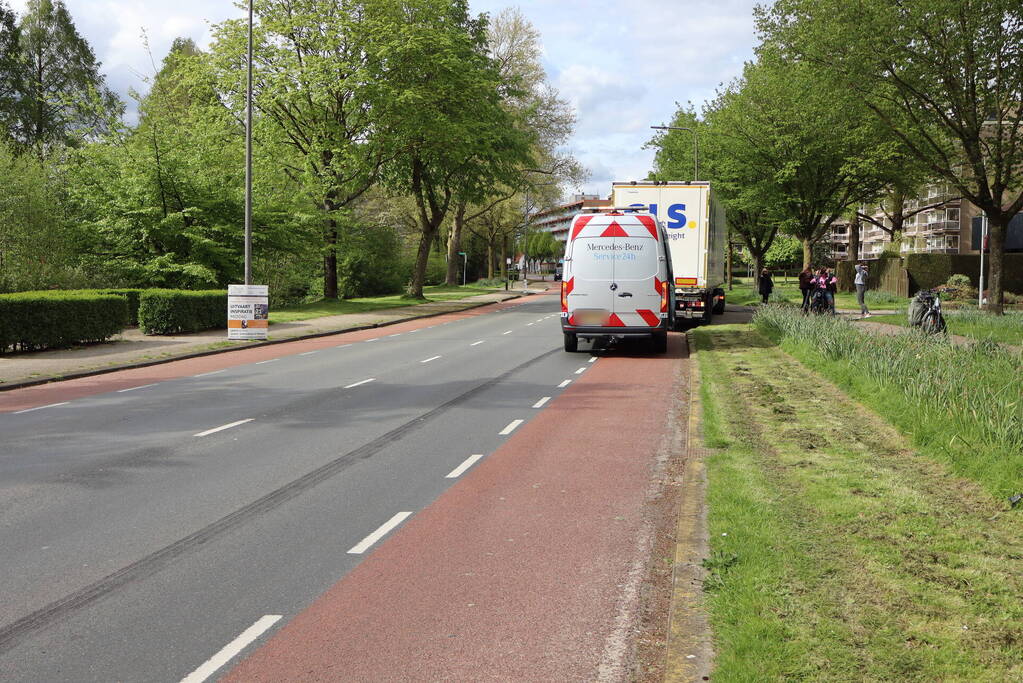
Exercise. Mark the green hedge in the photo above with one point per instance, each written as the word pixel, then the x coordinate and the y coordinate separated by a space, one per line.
pixel 30 321
pixel 927 271
pixel 170 311
pixel 131 295
pixel 876 270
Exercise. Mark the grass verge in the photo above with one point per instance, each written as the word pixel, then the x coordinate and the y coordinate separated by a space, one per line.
pixel 837 553
pixel 962 405
pixel 323 308
pixel 1005 329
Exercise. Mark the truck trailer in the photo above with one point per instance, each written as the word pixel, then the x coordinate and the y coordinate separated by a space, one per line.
pixel 694 225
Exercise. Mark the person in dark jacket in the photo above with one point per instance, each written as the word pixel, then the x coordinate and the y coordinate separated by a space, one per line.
pixel 806 286
pixel 766 284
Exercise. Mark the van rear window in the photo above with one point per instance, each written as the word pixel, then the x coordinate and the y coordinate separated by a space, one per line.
pixel 623 258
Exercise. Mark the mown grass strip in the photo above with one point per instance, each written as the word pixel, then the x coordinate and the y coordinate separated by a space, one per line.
pixel 837 553
pixel 326 307
pixel 962 405
pixel 1004 329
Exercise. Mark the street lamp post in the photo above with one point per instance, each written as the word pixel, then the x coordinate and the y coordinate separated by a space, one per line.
pixel 465 265
pixel 696 147
pixel 248 160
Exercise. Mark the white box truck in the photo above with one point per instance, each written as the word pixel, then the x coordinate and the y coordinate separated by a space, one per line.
pixel 694 224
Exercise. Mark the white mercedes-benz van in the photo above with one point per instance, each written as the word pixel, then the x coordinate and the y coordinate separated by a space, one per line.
pixel 617 280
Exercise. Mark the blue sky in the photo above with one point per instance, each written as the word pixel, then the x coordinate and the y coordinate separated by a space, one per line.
pixel 622 64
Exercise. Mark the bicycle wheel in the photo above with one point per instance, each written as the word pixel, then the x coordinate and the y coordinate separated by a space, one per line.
pixel 932 323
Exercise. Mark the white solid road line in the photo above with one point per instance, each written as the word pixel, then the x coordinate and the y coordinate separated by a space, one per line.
pixel 429 359
pixel 460 470
pixel 143 386
pixel 366 543
pixel 539 404
pixel 223 427
pixel 207 374
pixel 52 405
pixel 581 370
pixel 508 332
pixel 365 381
pixel 211 665
pixel 272 360
pixel 307 353
pixel 564 384
pixel 510 428
pixel 477 343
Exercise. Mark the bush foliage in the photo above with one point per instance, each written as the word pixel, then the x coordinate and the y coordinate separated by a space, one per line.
pixel 30 321
pixel 170 311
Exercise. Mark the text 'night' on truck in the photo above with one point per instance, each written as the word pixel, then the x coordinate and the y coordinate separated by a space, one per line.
pixel 650 264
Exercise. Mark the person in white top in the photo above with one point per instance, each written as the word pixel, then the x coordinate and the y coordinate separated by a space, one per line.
pixel 861 288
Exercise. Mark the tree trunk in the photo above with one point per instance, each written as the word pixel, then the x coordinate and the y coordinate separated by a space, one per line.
pixel 854 240
pixel 455 245
pixel 807 253
pixel 758 268
pixel 490 260
pixel 997 227
pixel 415 287
pixel 330 261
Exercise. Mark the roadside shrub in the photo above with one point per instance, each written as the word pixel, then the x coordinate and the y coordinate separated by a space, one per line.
pixel 170 311
pixel 490 283
pixel 30 321
pixel 962 404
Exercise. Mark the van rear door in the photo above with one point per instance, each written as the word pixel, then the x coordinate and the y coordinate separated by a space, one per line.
pixel 590 256
pixel 638 263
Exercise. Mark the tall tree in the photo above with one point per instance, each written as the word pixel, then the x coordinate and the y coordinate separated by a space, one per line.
pixel 311 84
pixel 11 85
pixel 944 76
pixel 448 135
pixel 514 45
pixel 64 96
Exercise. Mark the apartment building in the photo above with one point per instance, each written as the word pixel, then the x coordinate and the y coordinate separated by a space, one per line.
pixel 558 220
pixel 945 228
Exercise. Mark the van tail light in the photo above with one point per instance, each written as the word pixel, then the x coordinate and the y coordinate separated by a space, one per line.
pixel 564 297
pixel 664 297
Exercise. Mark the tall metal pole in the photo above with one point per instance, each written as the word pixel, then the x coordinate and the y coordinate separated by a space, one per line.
pixel 248 160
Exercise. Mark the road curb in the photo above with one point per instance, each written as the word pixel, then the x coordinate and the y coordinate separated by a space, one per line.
pixel 22 384
pixel 690 652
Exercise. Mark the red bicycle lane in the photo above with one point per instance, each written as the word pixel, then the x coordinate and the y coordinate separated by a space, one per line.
pixel 528 568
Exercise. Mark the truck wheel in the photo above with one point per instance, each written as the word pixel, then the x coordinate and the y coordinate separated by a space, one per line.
pixel 571 342
pixel 719 304
pixel 659 341
pixel 708 305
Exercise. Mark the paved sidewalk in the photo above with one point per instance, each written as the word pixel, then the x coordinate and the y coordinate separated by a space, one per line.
pixel 131 347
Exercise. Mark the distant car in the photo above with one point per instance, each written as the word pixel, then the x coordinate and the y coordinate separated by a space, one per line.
pixel 558 273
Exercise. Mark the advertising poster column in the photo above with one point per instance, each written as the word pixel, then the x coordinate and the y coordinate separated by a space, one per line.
pixel 248 311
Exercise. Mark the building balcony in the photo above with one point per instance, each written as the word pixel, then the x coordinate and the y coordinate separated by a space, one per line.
pixel 948 197
pixel 939 226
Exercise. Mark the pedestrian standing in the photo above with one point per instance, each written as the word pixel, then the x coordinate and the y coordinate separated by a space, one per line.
pixel 861 288
pixel 806 286
pixel 766 284
pixel 832 281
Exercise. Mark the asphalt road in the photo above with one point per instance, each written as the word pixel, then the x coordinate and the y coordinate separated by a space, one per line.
pixel 145 527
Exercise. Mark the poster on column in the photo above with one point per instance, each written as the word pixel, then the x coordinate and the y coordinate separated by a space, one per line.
pixel 248 311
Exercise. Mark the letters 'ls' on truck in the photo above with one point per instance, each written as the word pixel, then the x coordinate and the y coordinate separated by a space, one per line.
pixel 615 284
pixel 694 224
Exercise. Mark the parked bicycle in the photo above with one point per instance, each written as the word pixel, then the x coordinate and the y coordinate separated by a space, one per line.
pixel 925 312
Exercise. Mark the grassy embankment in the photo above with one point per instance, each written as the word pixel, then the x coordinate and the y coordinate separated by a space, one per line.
pixel 319 309
pixel 838 551
pixel 1006 329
